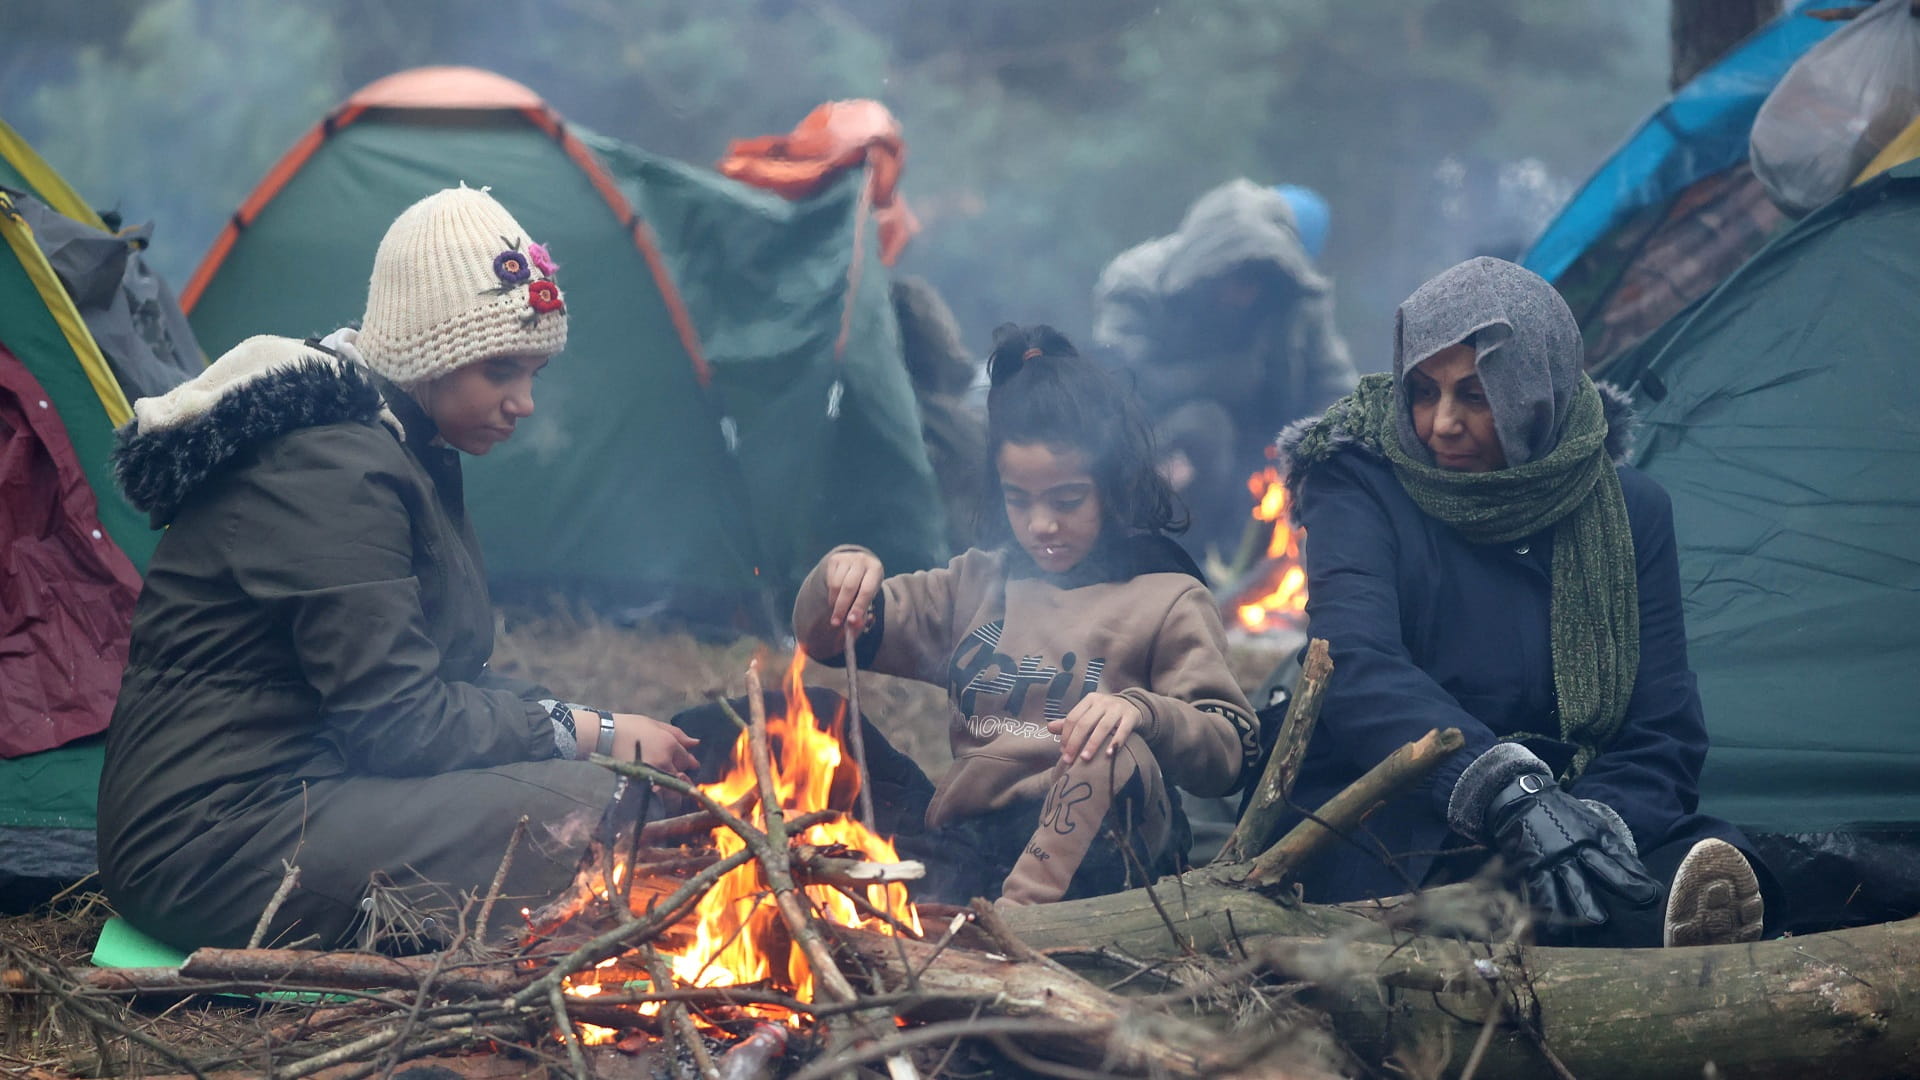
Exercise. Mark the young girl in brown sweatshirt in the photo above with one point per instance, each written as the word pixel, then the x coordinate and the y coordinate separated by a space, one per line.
pixel 1082 654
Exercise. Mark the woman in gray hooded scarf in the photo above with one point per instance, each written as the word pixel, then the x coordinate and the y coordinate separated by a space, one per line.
pixel 1478 558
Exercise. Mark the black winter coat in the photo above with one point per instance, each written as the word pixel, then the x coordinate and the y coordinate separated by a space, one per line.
pixel 1429 631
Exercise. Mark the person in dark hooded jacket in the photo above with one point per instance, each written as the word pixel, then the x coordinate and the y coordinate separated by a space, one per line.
pixel 1227 328
pixel 308 683
pixel 1477 558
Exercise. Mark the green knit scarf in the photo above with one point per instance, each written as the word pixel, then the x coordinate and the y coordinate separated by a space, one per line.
pixel 1595 620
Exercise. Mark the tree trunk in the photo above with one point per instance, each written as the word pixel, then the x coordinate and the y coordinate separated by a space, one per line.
pixel 1845 1003
pixel 1701 31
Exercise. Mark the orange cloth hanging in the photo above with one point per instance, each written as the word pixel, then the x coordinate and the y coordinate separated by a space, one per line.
pixel 837 136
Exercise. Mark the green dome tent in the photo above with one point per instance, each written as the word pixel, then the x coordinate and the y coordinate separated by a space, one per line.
pixel 1783 416
pixel 709 432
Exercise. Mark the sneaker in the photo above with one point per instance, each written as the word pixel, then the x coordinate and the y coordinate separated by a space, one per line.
pixel 1715 898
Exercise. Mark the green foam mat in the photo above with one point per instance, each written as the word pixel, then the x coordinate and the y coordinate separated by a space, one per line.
pixel 124 945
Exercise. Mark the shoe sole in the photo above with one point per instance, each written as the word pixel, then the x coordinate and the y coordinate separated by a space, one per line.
pixel 1715 898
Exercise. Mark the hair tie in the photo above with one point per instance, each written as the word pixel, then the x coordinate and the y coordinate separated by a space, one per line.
pixel 1030 354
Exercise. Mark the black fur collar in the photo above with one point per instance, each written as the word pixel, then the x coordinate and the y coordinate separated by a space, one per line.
pixel 158 470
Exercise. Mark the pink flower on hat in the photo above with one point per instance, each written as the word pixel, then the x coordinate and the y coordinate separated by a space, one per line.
pixel 537 255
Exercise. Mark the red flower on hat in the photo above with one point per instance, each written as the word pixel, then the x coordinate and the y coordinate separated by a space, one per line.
pixel 544 296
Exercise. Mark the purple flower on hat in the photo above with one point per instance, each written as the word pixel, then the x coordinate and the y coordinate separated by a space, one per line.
pixel 511 268
pixel 543 262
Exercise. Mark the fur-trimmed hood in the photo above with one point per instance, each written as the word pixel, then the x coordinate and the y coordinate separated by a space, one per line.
pixel 259 390
pixel 1621 424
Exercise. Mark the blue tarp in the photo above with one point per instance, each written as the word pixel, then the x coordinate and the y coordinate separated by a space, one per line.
pixel 1700 131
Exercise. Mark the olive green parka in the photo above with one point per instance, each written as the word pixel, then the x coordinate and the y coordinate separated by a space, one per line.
pixel 307 680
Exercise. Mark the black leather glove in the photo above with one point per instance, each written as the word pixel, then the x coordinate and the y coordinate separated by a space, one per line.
pixel 1575 860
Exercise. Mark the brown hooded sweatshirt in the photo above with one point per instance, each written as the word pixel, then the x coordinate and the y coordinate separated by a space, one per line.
pixel 1015 648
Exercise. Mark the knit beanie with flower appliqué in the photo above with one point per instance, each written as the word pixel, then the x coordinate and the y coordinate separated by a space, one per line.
pixel 457 281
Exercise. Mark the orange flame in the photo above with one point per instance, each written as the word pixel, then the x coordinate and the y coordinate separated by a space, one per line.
pixel 736 936
pixel 1277 595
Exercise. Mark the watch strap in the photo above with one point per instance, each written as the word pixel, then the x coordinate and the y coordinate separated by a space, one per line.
pixel 604 747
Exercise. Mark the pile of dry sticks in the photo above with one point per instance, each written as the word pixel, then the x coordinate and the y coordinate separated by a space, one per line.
pixel 1219 972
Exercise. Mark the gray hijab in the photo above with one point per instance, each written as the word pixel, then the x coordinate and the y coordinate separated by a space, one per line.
pixel 1527 349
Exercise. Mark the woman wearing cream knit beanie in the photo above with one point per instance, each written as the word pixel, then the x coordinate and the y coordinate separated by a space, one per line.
pixel 462 311
pixel 308 681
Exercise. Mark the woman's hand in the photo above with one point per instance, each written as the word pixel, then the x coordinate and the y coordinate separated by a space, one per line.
pixel 1098 720
pixel 853 580
pixel 641 738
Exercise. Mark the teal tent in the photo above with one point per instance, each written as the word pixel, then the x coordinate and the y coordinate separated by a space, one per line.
pixel 1783 416
pixel 710 430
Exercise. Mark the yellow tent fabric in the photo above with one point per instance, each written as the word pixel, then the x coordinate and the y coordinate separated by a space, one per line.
pixel 44 182
pixel 19 238
pixel 1904 147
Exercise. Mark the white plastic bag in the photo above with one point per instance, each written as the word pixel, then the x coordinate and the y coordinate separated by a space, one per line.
pixel 1838 106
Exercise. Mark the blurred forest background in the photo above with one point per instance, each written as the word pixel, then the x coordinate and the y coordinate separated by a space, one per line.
pixel 1043 137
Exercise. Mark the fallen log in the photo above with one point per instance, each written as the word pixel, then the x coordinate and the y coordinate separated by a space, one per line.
pixel 344 970
pixel 1843 1003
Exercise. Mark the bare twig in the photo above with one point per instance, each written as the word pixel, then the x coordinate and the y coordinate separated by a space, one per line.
pixel 51 977
pixel 776 864
pixel 500 876
pixel 1486 1037
pixel 413 1014
pixel 1401 769
pixel 1125 846
pixel 456 1032
pixel 1019 1056
pixel 774 856
pixel 629 934
pixel 289 878
pixel 633 855
pixel 856 728
pixel 454 1038
pixel 941 1065
pixel 987 917
pixel 865 906
pixel 460 1024
pixel 959 921
pixel 557 1001
pixel 676 1012
pixel 934 1033
pixel 1283 765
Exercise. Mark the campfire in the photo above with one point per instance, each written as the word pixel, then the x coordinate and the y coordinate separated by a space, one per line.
pixel 1271 594
pixel 739 931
